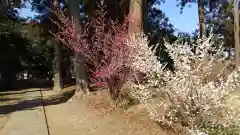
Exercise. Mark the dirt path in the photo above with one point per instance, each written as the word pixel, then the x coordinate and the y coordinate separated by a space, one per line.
pixel 89 116
pixel 25 116
pixel 22 113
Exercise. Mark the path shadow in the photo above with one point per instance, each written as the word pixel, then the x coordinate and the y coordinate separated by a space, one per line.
pixel 12 92
pixel 18 85
pixel 31 104
pixel 7 99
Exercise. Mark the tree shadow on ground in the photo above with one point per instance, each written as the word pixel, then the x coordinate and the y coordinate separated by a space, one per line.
pixel 12 92
pixel 32 103
pixel 7 99
pixel 19 85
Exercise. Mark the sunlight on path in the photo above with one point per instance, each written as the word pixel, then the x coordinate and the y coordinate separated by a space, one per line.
pixel 78 118
pixel 29 120
pixel 26 117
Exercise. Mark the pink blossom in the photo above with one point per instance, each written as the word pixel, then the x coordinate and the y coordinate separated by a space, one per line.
pixel 103 44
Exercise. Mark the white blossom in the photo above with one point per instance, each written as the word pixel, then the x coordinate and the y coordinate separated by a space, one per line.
pixel 185 89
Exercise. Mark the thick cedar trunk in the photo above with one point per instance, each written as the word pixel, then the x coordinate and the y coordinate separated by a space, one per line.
pixel 135 16
pixel 136 19
pixel 236 32
pixel 201 16
pixel 138 15
pixel 58 84
pixel 80 66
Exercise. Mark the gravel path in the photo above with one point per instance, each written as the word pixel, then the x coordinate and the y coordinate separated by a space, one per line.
pixel 28 117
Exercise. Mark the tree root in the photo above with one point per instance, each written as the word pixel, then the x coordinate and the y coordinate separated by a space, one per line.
pixel 78 95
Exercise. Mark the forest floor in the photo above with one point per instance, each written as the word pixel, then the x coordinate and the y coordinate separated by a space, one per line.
pixel 45 112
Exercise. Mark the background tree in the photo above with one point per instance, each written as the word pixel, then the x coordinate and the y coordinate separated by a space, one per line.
pixel 12 44
pixel 18 40
pixel 220 20
pixel 14 53
pixel 219 17
pixel 58 83
pixel 201 12
pixel 45 9
pixel 42 51
pixel 236 31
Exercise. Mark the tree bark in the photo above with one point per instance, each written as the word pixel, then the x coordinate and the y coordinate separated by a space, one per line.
pixel 138 15
pixel 57 84
pixel 236 32
pixel 201 17
pixel 82 85
pixel 135 16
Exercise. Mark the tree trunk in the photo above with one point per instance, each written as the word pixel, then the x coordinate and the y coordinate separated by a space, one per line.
pixel 114 91
pixel 57 84
pixel 135 16
pixel 145 16
pixel 115 84
pixel 236 32
pixel 201 16
pixel 138 15
pixel 82 85
pixel 66 67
